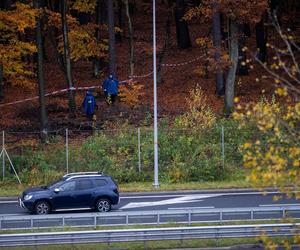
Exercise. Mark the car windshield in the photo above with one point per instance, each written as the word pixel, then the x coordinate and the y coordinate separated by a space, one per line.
pixel 56 183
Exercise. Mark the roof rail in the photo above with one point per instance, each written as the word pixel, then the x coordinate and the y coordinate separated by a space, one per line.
pixel 81 173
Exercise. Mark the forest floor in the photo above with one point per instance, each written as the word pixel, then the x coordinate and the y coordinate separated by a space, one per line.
pixel 172 93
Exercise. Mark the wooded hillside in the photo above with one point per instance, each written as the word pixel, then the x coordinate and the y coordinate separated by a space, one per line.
pixel 61 45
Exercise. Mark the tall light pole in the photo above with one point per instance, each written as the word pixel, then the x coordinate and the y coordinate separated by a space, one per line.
pixel 155 184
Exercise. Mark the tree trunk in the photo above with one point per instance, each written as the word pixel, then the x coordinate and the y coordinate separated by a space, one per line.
pixel 72 104
pixel 96 62
pixel 234 56
pixel 1 82
pixel 118 35
pixel 53 33
pixel 261 42
pixel 103 11
pixel 6 4
pixel 182 30
pixel 41 81
pixel 242 66
pixel 220 88
pixel 131 45
pixel 111 39
pixel 166 45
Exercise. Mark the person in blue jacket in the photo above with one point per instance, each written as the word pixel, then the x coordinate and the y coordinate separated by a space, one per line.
pixel 89 105
pixel 111 88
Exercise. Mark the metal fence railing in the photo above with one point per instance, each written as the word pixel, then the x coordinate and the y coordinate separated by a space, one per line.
pixel 149 234
pixel 131 149
pixel 187 216
pixel 127 154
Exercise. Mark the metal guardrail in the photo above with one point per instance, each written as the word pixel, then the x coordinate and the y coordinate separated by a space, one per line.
pixel 152 234
pixel 188 216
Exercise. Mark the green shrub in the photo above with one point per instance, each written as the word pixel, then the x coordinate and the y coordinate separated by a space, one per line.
pixel 185 154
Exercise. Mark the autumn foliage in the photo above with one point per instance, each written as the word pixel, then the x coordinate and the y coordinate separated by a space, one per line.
pixel 13 49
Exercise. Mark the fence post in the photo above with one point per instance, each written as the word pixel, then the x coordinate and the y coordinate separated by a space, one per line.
pixel 223 147
pixel 67 150
pixel 3 154
pixel 139 149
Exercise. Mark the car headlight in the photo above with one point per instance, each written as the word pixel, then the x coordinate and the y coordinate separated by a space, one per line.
pixel 27 197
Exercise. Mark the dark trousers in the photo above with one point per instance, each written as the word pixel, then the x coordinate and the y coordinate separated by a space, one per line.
pixel 110 98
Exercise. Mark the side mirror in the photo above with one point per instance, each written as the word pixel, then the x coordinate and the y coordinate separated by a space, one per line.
pixel 56 190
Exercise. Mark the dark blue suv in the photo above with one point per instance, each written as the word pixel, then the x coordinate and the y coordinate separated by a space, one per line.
pixel 83 190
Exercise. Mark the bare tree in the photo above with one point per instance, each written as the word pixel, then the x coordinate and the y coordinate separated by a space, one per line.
pixel 41 81
pixel 182 30
pixel 131 43
pixel 216 26
pixel 72 104
pixel 111 35
pixel 234 56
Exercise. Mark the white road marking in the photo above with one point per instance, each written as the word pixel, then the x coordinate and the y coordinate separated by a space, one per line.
pixel 213 194
pixel 182 199
pixel 184 208
pixel 279 205
pixel 7 202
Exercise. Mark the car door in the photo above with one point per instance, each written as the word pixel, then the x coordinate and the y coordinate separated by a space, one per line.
pixel 83 193
pixel 63 198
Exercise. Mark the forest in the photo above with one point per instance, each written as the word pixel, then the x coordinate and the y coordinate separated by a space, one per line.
pixel 226 47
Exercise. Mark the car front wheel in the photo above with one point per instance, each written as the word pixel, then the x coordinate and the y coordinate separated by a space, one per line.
pixel 103 205
pixel 42 207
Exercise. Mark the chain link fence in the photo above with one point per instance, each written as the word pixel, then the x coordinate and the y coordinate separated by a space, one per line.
pixel 126 154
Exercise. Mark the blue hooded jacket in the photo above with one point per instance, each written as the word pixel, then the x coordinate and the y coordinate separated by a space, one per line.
pixel 89 103
pixel 111 85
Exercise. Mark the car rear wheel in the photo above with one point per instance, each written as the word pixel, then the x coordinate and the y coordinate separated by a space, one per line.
pixel 42 207
pixel 103 205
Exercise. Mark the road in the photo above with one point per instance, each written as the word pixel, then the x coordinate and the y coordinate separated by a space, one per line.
pixel 179 200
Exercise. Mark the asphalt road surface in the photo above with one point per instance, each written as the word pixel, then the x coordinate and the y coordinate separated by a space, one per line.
pixel 179 200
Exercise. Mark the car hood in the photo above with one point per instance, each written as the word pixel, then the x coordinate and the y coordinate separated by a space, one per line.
pixel 35 190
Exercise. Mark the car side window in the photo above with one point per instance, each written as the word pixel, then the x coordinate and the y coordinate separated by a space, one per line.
pixel 84 184
pixel 69 186
pixel 100 182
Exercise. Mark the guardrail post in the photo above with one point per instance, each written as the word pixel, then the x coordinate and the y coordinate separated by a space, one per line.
pixel 31 223
pixel 158 218
pixel 127 219
pixel 63 222
pixel 0 224
pixel 190 217
pixel 181 237
pixel 3 159
pixel 139 150
pixel 217 237
pixel 95 222
pixel 67 150
pixel 283 213
pixel 252 214
pixel 221 216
